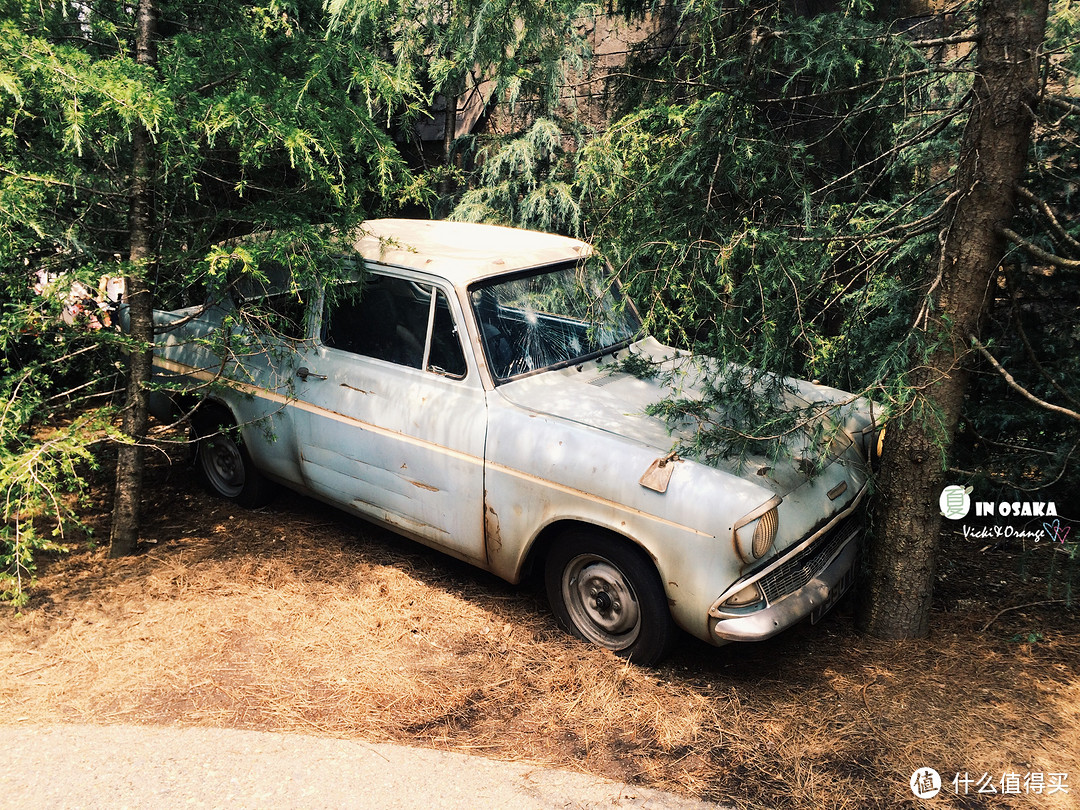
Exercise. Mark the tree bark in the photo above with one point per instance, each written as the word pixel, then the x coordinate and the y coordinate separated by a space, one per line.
pixel 906 520
pixel 130 458
pixel 449 131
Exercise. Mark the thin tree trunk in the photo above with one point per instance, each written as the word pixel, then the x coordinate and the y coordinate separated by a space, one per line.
pixel 906 519
pixel 449 130
pixel 130 459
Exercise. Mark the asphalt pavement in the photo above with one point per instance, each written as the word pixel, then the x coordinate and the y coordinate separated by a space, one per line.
pixel 116 767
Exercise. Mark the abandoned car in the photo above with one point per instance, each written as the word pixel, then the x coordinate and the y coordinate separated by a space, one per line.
pixel 468 396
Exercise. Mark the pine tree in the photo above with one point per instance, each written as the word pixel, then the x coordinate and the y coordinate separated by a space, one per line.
pixel 991 163
pixel 111 164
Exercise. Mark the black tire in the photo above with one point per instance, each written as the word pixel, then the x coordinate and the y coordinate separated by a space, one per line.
pixel 603 589
pixel 223 463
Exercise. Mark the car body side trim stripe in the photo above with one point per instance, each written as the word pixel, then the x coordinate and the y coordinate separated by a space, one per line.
pixel 273 396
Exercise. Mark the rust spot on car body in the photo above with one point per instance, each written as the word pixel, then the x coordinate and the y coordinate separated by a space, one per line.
pixel 492 536
pixel 354 388
pixel 402 522
pixel 428 487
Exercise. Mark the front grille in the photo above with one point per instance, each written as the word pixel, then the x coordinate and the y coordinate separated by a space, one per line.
pixel 794 573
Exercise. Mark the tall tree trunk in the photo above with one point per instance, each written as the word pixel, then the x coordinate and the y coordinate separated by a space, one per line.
pixel 130 459
pixel 993 155
pixel 449 130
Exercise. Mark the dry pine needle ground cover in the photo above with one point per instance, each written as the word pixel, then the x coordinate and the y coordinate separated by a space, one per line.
pixel 295 618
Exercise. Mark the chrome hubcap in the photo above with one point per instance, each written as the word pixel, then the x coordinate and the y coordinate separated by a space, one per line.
pixel 223 465
pixel 601 601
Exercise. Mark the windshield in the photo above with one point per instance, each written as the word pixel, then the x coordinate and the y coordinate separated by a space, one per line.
pixel 553 317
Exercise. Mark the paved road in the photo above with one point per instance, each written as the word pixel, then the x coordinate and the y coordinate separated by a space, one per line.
pixel 114 767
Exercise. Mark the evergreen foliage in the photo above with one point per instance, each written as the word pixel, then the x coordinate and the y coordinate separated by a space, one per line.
pixel 514 53
pixel 521 181
pixel 772 195
pixel 772 190
pixel 1033 330
pixel 525 48
pixel 260 123
pixel 718 197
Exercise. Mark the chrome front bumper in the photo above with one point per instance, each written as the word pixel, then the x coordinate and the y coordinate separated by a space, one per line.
pixel 821 572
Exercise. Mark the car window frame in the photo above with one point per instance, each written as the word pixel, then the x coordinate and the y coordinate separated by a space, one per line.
pixel 437 286
pixel 488 281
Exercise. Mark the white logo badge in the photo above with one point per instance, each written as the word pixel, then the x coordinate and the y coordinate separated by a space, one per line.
pixel 955 501
pixel 926 782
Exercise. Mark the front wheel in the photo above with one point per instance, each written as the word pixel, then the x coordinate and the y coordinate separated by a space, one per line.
pixel 604 590
pixel 224 463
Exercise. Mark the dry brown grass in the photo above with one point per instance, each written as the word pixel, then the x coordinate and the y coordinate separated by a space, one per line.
pixel 296 619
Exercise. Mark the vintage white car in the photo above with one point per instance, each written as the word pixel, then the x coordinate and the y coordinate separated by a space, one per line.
pixel 467 394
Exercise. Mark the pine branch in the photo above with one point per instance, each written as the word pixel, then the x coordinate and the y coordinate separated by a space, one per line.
pixel 52 181
pixel 1046 375
pixel 970 426
pixel 160 329
pixel 1061 104
pixel 937 43
pixel 908 229
pixel 1037 252
pixel 665 81
pixel 854 88
pixel 1019 388
pixel 72 400
pixel 1048 212
pixel 1042 371
pixel 198 91
pixel 1012 483
pixel 926 134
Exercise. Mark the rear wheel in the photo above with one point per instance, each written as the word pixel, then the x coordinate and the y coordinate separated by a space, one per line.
pixel 223 462
pixel 604 590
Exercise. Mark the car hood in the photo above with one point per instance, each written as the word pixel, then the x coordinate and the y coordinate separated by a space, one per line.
pixel 593 394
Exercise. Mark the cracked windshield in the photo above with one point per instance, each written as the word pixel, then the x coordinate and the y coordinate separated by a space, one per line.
pixel 552 318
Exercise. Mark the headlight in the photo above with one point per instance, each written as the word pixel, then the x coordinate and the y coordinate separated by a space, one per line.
pixel 754 543
pixel 873 441
pixel 765 533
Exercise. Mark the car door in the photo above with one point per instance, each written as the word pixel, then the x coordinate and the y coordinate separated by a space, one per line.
pixel 269 326
pixel 390 413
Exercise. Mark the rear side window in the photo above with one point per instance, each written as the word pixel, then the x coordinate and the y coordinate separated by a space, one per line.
pixel 396 320
pixel 285 315
pixel 273 304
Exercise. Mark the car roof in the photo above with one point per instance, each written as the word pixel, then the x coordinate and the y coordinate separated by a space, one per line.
pixel 462 252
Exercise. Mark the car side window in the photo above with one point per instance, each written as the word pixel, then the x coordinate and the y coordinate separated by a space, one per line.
pixel 270 302
pixel 285 315
pixel 445 355
pixel 388 318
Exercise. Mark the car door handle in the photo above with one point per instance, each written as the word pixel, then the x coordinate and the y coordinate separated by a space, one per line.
pixel 303 373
